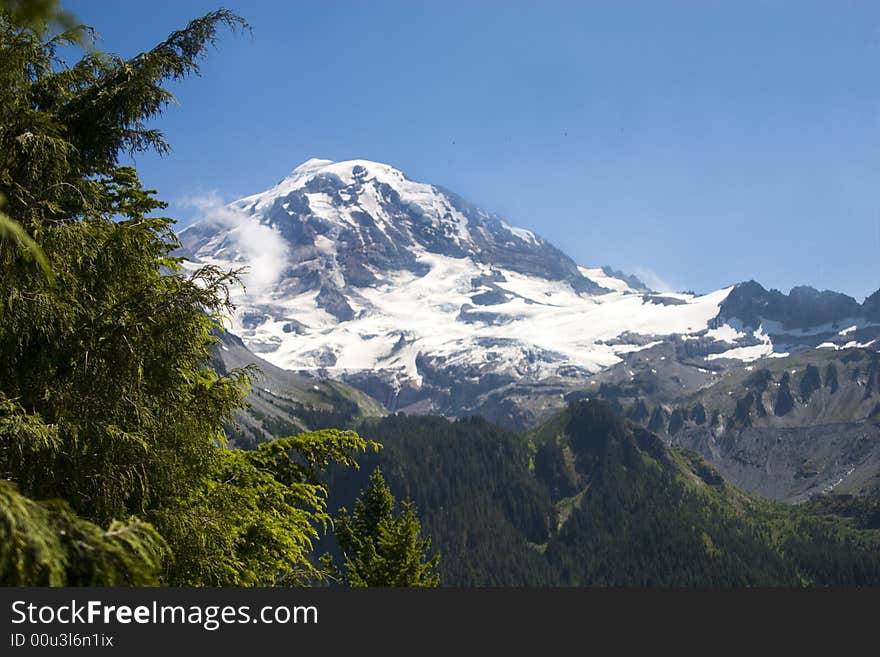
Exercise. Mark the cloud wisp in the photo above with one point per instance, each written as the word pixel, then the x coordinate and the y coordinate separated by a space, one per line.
pixel 653 280
pixel 262 249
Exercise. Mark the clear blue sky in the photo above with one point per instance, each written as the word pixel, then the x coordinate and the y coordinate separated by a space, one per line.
pixel 706 142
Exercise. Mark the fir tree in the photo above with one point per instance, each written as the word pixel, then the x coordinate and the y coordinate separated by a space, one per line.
pixel 381 548
pixel 111 417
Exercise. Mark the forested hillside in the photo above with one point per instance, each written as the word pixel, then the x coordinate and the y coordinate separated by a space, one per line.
pixel 472 485
pixel 592 499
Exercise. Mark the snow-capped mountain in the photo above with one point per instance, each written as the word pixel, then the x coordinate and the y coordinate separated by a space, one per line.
pixel 427 302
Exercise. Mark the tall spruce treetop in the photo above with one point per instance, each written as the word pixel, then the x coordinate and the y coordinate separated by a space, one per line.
pixel 381 549
pixel 108 402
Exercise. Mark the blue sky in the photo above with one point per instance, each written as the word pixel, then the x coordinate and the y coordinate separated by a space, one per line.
pixel 700 142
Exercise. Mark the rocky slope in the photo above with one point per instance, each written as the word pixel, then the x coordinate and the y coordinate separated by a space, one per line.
pixel 282 403
pixel 786 428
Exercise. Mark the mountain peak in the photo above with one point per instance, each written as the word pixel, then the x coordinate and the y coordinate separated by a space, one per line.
pixel 310 166
pixel 367 273
pixel 346 170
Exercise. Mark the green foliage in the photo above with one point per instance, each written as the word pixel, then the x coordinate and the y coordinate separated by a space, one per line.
pixel 38 15
pixel 10 230
pixel 647 519
pixel 652 516
pixel 476 495
pixel 863 511
pixel 602 501
pixel 258 513
pixel 47 544
pixel 810 382
pixel 107 398
pixel 383 549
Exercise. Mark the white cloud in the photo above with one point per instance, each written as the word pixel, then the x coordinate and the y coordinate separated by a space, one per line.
pixel 650 278
pixel 263 250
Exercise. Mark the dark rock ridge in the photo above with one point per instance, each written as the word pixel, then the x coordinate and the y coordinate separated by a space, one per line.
pixel 803 307
pixel 871 307
pixel 495 245
pixel 633 281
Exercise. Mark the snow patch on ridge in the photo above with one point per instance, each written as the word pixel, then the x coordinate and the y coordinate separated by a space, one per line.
pixel 598 276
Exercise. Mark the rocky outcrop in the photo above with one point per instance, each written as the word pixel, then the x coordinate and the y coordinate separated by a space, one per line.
pixel 802 307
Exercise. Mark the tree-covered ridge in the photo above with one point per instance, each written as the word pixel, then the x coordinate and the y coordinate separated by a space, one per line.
pixel 592 499
pixel 650 515
pixel 471 483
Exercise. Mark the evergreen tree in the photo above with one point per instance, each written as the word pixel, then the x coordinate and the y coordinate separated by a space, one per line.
pixel 46 544
pixel 381 548
pixel 109 408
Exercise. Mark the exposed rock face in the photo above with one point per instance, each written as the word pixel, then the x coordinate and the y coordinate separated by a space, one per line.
pixel 793 464
pixel 787 428
pixel 871 307
pixel 282 403
pixel 803 307
pixel 633 281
